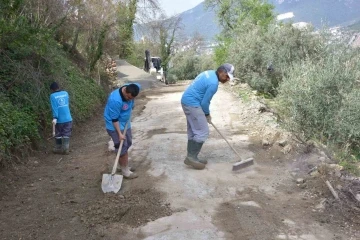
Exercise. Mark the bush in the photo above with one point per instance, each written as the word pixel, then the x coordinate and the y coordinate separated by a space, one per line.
pixel 262 58
pixel 18 128
pixel 188 64
pixel 27 69
pixel 320 99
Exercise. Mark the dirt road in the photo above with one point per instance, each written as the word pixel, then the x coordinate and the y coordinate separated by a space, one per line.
pixel 59 197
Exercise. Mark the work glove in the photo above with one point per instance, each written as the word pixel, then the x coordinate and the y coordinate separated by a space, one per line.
pixel 208 118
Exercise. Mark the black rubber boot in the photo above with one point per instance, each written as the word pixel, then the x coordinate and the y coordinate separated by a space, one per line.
pixel 66 146
pixel 191 159
pixel 197 147
pixel 58 146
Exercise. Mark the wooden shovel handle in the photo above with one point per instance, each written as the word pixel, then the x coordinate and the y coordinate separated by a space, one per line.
pixel 119 151
pixel 53 130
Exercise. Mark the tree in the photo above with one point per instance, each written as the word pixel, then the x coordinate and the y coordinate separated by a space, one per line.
pixel 129 12
pixel 165 29
pixel 126 18
pixel 232 13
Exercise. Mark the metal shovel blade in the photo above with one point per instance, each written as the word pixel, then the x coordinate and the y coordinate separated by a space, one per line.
pixel 111 183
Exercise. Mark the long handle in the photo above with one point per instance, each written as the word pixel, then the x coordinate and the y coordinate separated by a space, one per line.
pixel 226 141
pixel 53 129
pixel 119 150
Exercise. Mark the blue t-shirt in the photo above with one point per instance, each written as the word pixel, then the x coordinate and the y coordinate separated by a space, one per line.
pixel 201 91
pixel 118 108
pixel 60 106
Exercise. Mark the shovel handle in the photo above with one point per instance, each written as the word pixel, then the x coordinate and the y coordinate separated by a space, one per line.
pixel 119 151
pixel 227 141
pixel 53 130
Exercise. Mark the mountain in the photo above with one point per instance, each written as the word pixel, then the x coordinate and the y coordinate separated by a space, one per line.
pixel 318 12
pixel 200 20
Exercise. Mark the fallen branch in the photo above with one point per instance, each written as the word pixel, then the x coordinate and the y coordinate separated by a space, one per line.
pixel 334 193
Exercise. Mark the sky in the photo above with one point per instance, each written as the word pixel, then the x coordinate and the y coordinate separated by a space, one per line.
pixel 172 7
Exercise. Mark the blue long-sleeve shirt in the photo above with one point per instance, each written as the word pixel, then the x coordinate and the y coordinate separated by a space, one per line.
pixel 118 109
pixel 201 91
pixel 60 106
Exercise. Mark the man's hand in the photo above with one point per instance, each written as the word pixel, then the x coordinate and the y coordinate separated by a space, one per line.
pixel 122 136
pixel 208 118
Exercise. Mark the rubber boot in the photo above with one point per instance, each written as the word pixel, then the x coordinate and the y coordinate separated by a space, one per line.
pixel 66 146
pixel 127 173
pixel 191 158
pixel 189 149
pixel 58 146
pixel 197 148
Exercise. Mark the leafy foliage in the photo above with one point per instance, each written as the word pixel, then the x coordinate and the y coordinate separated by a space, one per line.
pixel 30 59
pixel 319 98
pixel 233 13
pixel 262 59
pixel 187 65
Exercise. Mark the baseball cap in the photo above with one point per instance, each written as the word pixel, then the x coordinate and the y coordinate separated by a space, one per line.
pixel 54 86
pixel 229 68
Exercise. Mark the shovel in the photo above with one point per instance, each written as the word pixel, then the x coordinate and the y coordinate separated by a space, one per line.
pixel 53 132
pixel 241 164
pixel 112 182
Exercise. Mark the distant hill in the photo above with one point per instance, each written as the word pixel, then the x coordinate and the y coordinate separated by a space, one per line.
pixel 331 12
pixel 319 12
pixel 200 20
pixel 355 26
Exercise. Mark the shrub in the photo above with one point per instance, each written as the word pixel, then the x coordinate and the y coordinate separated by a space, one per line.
pixel 319 99
pixel 262 58
pixel 187 65
pixel 18 128
pixel 26 73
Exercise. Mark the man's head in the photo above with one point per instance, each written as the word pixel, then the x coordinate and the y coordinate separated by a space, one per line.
pixel 54 87
pixel 225 72
pixel 131 91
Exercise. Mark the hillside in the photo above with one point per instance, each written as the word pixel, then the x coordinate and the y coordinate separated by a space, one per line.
pixel 331 12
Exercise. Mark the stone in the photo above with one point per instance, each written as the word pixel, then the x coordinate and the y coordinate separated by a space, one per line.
pixel 358 197
pixel 315 174
pixel 282 142
pixel 336 167
pixel 265 142
pixel 321 205
pixel 300 180
pixel 287 149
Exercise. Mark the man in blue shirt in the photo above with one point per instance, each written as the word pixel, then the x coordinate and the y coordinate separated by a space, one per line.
pixel 62 119
pixel 117 113
pixel 195 102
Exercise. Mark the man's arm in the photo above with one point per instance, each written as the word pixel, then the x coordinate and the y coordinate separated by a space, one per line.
pixel 117 127
pixel 54 107
pixel 114 112
pixel 205 103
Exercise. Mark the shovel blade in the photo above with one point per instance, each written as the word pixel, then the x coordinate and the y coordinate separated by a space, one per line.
pixel 111 183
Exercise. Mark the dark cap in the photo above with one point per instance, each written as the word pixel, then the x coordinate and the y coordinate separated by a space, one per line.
pixel 229 69
pixel 54 86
